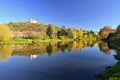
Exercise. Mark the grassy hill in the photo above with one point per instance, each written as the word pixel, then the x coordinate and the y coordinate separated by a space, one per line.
pixel 27 26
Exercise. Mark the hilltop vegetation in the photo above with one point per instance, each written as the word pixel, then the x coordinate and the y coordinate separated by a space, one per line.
pixel 27 26
pixel 48 31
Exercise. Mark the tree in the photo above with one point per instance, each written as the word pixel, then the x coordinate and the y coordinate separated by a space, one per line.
pixel 4 32
pixel 49 31
pixel 117 33
pixel 118 29
pixel 62 32
pixel 74 33
pixel 80 33
pixel 114 38
pixel 104 32
pixel 69 33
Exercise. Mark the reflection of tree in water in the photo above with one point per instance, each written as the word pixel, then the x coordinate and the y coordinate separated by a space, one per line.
pixel 90 43
pixel 42 48
pixel 27 50
pixel 72 46
pixel 5 52
pixel 114 46
pixel 51 48
pixel 62 46
pixel 80 45
pixel 104 47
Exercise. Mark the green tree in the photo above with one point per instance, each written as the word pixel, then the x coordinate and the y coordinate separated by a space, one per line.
pixel 117 33
pixel 114 38
pixel 62 32
pixel 4 32
pixel 49 31
pixel 69 33
pixel 118 29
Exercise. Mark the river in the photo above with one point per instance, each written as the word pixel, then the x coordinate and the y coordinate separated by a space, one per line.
pixel 54 61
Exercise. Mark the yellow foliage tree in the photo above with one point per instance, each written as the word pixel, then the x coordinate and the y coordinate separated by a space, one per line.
pixel 80 33
pixel 74 33
pixel 4 32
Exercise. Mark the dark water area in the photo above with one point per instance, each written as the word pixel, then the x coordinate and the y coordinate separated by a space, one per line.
pixel 54 61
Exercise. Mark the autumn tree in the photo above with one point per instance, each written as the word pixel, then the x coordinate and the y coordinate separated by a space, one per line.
pixel 80 33
pixel 104 32
pixel 74 33
pixel 4 32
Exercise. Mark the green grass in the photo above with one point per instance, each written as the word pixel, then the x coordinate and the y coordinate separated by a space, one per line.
pixel 30 41
pixel 18 41
pixel 113 73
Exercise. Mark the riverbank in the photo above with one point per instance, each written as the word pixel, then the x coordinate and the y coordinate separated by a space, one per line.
pixel 30 41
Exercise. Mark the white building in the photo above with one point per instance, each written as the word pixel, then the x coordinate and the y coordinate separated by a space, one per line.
pixel 33 21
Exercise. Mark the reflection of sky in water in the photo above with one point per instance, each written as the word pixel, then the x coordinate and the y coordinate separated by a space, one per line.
pixel 75 65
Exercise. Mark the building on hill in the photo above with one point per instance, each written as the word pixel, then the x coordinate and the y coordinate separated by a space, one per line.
pixel 33 21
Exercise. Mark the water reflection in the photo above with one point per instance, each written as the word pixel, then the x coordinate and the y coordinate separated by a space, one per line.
pixel 104 47
pixel 55 61
pixel 50 48
pixel 5 52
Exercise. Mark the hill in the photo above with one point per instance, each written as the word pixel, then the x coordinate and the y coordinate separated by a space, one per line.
pixel 27 26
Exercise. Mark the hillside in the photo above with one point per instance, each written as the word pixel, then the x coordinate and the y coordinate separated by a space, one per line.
pixel 27 26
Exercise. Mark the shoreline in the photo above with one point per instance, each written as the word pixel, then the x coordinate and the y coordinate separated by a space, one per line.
pixel 31 41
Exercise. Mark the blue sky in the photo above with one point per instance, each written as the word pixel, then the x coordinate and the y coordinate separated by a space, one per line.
pixel 88 14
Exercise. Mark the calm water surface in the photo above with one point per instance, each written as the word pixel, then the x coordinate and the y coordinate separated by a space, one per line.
pixel 59 61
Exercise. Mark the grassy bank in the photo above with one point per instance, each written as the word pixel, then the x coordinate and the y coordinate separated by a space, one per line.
pixel 30 41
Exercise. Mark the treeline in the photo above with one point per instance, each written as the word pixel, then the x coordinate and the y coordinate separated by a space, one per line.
pixel 50 31
pixel 47 31
pixel 71 33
